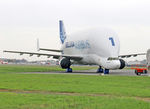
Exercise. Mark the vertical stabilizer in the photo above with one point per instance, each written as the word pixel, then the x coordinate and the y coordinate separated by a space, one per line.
pixel 62 31
pixel 38 46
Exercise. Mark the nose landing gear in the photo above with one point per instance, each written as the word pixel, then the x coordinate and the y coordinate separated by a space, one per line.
pixel 100 70
pixel 106 71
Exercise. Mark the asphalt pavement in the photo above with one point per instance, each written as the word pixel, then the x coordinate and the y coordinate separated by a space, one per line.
pixel 123 72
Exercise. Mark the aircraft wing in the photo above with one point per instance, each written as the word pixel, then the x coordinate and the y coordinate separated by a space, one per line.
pixel 45 49
pixel 134 55
pixel 73 57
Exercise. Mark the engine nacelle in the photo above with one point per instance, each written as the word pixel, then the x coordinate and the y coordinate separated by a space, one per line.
pixel 112 63
pixel 122 63
pixel 65 63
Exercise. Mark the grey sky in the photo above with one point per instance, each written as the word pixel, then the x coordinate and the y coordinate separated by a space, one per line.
pixel 22 21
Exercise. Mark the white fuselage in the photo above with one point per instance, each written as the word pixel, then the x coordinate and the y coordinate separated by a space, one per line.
pixel 97 46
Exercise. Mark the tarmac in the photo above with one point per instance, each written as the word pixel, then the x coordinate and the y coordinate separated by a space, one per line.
pixel 123 72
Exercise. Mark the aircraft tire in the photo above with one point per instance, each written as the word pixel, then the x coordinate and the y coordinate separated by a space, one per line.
pixel 106 71
pixel 69 70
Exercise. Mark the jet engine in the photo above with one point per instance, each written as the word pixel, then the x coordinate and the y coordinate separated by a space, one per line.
pixel 122 63
pixel 65 63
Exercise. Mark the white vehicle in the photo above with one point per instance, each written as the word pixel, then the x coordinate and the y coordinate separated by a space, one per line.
pixel 98 46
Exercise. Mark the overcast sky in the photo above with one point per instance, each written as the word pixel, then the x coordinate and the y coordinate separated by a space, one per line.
pixel 23 21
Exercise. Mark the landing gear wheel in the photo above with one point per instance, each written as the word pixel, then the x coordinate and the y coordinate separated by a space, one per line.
pixel 69 70
pixel 100 70
pixel 106 71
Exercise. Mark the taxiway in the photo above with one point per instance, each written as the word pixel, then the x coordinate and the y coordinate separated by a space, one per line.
pixel 124 72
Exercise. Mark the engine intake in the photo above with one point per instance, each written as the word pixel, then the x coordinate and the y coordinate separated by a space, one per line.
pixel 65 63
pixel 122 63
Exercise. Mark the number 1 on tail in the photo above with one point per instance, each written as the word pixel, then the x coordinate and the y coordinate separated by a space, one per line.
pixel 112 41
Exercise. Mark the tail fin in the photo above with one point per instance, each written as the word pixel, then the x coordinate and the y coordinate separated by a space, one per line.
pixel 38 46
pixel 62 31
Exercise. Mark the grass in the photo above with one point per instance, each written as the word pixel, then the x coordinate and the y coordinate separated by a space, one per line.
pixel 53 91
pixel 47 101
pixel 112 85
pixel 35 68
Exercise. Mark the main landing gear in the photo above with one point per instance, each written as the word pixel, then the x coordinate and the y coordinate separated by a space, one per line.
pixel 65 63
pixel 69 70
pixel 100 70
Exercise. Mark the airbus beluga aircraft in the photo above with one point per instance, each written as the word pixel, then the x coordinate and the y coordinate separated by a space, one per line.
pixel 98 46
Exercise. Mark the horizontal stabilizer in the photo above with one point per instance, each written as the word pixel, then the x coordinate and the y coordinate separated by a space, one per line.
pixel 45 49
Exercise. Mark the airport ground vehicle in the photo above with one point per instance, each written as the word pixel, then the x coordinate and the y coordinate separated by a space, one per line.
pixel 139 71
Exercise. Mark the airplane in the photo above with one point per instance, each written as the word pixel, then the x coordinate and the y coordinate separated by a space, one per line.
pixel 98 46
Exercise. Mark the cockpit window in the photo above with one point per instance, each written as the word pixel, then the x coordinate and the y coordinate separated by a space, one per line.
pixel 112 58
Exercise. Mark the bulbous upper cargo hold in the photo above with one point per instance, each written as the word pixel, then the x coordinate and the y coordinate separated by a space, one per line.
pixel 101 41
